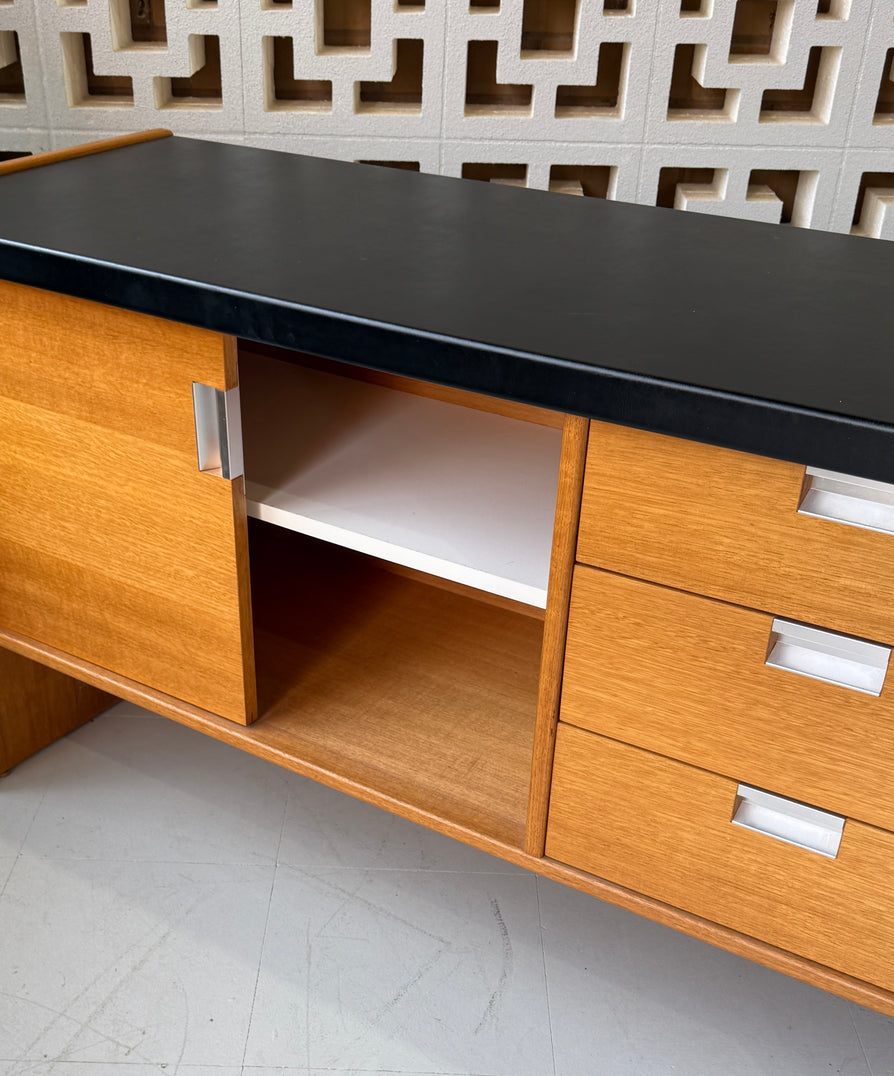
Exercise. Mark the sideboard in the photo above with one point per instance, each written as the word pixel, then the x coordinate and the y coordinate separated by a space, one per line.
pixel 563 527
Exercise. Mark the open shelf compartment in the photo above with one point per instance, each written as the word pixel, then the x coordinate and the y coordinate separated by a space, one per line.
pixel 453 491
pixel 393 686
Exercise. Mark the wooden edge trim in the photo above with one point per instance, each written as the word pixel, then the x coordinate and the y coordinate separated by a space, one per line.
pixel 568 498
pixel 230 360
pixel 119 686
pixel 87 149
pixel 243 586
pixel 248 739
pixel 230 346
pixel 759 952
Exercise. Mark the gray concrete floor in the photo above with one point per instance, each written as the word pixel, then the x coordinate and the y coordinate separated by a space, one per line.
pixel 171 905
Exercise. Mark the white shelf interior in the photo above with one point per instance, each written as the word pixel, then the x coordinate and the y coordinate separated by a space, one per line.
pixel 455 492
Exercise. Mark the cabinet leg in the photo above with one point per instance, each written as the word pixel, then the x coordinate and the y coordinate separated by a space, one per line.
pixel 38 706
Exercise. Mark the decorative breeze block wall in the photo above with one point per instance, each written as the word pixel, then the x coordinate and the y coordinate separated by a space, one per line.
pixel 772 110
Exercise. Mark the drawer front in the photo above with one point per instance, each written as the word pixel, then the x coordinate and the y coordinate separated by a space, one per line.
pixel 726 524
pixel 689 677
pixel 665 829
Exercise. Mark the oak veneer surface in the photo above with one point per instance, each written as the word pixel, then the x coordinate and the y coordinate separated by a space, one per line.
pixel 39 705
pixel 686 677
pixel 762 338
pixel 113 546
pixel 424 695
pixel 571 473
pixel 726 524
pixel 664 829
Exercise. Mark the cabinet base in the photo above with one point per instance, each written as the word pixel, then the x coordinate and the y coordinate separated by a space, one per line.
pixel 251 739
pixel 40 705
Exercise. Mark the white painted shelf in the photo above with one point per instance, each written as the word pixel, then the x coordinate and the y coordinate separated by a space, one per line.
pixel 458 493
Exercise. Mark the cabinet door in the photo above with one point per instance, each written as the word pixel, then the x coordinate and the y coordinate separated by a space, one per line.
pixel 114 547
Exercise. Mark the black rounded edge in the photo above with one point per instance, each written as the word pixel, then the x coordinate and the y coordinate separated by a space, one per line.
pixel 762 427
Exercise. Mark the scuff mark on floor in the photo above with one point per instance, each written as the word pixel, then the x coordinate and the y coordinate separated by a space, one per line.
pixel 489 1015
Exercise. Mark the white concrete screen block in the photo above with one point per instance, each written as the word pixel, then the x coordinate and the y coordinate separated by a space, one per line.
pixel 779 111
pixel 21 82
pixel 756 72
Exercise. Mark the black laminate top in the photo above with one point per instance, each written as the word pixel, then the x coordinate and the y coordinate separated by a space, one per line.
pixel 768 339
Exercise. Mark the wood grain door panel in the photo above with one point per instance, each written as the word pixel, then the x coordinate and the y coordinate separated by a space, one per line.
pixel 113 546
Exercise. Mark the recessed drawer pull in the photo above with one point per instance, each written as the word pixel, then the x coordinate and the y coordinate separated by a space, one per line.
pixel 787 820
pixel 842 498
pixel 825 655
pixel 218 430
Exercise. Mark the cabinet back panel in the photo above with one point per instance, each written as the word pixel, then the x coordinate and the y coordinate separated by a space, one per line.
pixel 421 694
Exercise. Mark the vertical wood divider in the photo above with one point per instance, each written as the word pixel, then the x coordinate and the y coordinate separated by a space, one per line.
pixel 568 497
pixel 243 562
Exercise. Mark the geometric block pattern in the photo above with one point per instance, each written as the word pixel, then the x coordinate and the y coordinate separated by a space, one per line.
pixel 779 111
pixel 762 72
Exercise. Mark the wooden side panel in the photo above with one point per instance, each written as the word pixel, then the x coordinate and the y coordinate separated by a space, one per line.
pixel 113 546
pixel 664 829
pixel 39 705
pixel 687 677
pixel 726 524
pixel 571 471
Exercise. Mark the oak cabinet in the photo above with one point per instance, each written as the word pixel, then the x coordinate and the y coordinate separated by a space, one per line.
pixel 454 579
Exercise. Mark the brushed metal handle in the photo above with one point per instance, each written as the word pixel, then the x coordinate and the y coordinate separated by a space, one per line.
pixel 842 498
pixel 788 820
pixel 828 656
pixel 218 430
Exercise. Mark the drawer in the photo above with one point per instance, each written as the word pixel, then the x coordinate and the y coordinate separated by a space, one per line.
pixel 727 524
pixel 689 677
pixel 664 829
